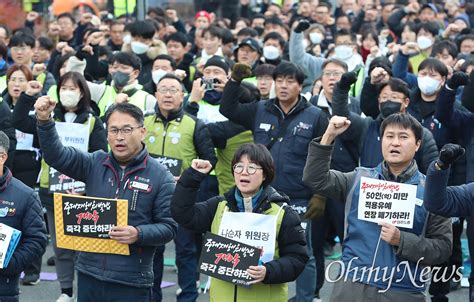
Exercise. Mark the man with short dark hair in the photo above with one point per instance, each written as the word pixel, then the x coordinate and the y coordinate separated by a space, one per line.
pixel 176 135
pixel 127 172
pixel 285 125
pixel 370 249
pixel 22 211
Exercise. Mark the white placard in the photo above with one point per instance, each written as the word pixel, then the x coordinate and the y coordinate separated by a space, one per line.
pixel 6 233
pixel 387 201
pixel 257 230
pixel 74 135
pixel 24 141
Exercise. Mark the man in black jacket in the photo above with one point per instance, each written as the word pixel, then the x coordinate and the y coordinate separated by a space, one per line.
pixel 21 210
pixel 285 125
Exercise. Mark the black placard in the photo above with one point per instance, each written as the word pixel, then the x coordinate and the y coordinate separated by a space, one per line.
pixel 173 164
pixel 88 217
pixel 61 183
pixel 227 259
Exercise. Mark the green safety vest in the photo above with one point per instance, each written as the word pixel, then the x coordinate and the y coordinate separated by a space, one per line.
pixel 224 291
pixel 44 174
pixel 122 7
pixel 108 98
pixel 224 160
pixel 356 88
pixel 251 80
pixel 415 61
pixel 175 140
pixel 3 83
pixel 53 93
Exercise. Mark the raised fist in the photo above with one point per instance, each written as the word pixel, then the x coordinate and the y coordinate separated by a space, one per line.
pixel 241 71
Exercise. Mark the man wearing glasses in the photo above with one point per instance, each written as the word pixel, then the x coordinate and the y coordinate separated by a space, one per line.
pixel 175 138
pixel 127 172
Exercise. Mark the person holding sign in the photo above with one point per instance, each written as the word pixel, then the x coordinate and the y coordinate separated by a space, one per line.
pixel 175 138
pixel 127 172
pixel 20 209
pixel 371 194
pixel 78 127
pixel 252 212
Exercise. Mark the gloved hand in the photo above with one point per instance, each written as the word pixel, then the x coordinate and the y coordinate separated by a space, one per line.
pixel 347 79
pixel 241 71
pixel 449 154
pixel 316 207
pixel 302 26
pixel 458 79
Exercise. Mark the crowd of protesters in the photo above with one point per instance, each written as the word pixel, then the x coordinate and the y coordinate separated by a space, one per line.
pixel 279 112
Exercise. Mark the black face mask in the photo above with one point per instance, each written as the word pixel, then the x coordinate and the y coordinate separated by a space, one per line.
pixel 390 107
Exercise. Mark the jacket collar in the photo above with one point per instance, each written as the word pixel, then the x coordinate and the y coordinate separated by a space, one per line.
pixel 139 162
pixel 174 115
pixel 405 176
pixel 268 196
pixel 5 179
pixel 273 106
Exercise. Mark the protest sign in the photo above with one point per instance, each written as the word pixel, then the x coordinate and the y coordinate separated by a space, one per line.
pixel 61 183
pixel 71 135
pixel 173 164
pixel 9 238
pixel 83 223
pixel 227 259
pixel 254 229
pixel 387 201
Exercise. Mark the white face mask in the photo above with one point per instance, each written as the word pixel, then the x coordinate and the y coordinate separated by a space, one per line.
pixel 139 47
pixel 343 52
pixel 156 75
pixel 271 52
pixel 69 99
pixel 315 38
pixel 127 39
pixel 424 42
pixel 428 85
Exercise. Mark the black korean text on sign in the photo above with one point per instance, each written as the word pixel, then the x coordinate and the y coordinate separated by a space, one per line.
pixel 88 218
pixel 227 259
pixel 173 164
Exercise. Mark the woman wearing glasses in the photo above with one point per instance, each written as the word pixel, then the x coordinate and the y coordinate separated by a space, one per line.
pixel 253 171
pixel 78 127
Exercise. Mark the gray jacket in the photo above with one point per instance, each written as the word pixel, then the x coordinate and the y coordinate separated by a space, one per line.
pixel 434 245
pixel 311 65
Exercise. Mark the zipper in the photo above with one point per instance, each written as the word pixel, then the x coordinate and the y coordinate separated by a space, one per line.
pixel 119 184
pixel 235 293
pixel 164 138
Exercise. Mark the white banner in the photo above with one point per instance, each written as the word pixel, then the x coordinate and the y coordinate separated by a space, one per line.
pixel 74 135
pixel 387 201
pixel 254 229
pixel 24 141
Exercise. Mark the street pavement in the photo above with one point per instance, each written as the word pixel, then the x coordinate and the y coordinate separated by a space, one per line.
pixel 47 291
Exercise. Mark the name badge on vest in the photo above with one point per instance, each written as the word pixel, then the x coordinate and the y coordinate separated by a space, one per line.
pixel 140 186
pixel 265 127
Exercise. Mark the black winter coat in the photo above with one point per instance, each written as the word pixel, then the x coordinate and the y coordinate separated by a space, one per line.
pixel 199 217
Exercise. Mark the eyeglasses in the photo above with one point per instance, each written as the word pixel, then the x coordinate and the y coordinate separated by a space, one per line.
pixel 251 169
pixel 332 73
pixel 164 90
pixel 126 131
